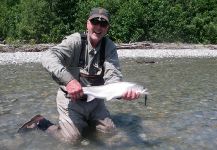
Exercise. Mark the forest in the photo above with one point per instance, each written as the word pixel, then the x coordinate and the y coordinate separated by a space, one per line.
pixel 48 21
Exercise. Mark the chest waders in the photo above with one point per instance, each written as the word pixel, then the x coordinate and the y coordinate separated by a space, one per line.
pixel 86 79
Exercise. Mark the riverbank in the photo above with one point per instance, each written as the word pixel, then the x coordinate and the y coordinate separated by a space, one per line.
pixel 33 53
pixel 137 45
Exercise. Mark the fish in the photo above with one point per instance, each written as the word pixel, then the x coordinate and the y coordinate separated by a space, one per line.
pixel 113 90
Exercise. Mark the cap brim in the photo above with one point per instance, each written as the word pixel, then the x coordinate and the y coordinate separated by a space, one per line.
pixel 97 15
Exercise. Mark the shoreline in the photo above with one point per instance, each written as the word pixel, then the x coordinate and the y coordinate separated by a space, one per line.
pixel 6 48
pixel 18 54
pixel 35 57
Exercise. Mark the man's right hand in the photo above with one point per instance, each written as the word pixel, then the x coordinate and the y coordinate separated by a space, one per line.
pixel 74 89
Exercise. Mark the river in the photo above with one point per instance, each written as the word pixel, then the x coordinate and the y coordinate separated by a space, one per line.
pixel 181 111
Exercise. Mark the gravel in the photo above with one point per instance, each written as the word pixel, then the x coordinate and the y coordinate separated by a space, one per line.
pixel 20 57
pixel 35 57
pixel 167 53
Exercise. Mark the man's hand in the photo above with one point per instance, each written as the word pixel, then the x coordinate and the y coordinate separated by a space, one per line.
pixel 74 89
pixel 131 95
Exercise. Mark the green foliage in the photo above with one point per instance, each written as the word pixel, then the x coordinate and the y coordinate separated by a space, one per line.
pixel 43 21
pixel 127 22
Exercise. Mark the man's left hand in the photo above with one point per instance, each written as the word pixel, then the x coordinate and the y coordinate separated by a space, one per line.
pixel 131 95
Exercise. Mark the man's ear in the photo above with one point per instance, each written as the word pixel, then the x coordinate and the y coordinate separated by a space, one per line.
pixel 87 23
pixel 108 28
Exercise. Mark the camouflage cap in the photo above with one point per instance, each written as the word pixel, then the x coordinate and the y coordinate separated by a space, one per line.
pixel 99 12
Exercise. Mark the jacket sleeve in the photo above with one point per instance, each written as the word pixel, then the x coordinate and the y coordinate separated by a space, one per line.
pixel 112 71
pixel 58 59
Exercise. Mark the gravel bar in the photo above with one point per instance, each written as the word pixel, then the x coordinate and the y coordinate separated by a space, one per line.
pixel 35 57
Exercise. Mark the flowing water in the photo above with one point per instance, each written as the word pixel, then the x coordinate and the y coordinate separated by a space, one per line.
pixel 181 111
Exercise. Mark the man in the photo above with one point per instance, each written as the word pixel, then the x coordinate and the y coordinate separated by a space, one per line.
pixel 82 60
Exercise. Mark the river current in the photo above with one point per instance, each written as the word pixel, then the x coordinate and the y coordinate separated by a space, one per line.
pixel 181 111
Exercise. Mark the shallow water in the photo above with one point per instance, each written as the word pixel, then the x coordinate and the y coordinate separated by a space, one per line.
pixel 181 111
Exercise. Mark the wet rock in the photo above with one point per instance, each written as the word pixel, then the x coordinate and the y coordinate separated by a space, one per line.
pixel 25 48
pixel 85 142
pixel 145 61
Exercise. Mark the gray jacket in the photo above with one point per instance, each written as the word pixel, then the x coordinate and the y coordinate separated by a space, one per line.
pixel 62 61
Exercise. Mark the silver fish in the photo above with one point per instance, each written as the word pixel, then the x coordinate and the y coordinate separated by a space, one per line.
pixel 112 90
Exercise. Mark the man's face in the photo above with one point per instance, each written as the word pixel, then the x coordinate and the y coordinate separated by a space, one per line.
pixel 97 28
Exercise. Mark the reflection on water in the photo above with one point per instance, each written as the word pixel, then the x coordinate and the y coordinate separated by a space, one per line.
pixel 181 111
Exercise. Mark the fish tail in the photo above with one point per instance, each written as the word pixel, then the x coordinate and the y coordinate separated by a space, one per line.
pixel 145 92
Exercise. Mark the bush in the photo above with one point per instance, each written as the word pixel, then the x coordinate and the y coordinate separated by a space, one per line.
pixel 44 21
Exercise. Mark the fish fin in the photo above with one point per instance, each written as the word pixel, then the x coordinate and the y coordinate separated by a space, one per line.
pixel 109 98
pixel 145 92
pixel 90 98
pixel 118 98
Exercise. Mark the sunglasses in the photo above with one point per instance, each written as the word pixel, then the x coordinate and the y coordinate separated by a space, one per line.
pixel 99 21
